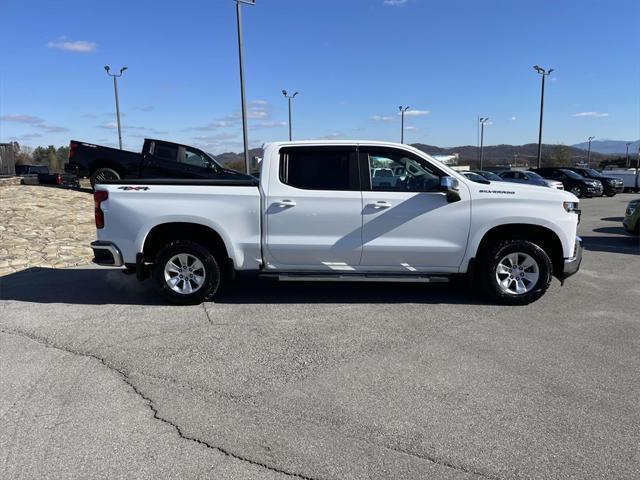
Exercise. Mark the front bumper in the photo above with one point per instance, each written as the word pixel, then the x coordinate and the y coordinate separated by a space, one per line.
pixel 106 253
pixel 572 265
pixel 595 191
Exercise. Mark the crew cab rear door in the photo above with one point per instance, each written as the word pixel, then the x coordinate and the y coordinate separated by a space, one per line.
pixel 313 210
pixel 170 160
pixel 408 224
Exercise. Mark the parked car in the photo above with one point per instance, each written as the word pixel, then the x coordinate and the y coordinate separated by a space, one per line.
pixel 630 178
pixel 40 175
pixel 159 159
pixel 574 183
pixel 532 178
pixel 30 170
pixel 492 177
pixel 631 222
pixel 611 185
pixel 59 179
pixel 315 215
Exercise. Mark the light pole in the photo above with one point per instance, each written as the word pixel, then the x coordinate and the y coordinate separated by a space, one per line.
pixel 483 120
pixel 115 89
pixel 245 134
pixel 627 144
pixel 589 151
pixel 544 73
pixel 402 110
pixel 289 97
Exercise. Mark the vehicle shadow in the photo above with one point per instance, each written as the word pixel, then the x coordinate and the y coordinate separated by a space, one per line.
pixel 104 286
pixel 612 219
pixel 617 241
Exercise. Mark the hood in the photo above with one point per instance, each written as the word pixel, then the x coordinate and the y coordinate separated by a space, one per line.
pixel 519 191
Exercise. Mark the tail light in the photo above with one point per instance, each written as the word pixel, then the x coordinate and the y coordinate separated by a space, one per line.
pixel 72 149
pixel 58 179
pixel 99 196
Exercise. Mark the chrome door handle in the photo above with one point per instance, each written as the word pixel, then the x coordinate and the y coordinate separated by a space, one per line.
pixel 286 203
pixel 380 205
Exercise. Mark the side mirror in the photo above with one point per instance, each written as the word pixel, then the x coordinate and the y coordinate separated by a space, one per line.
pixel 451 187
pixel 208 165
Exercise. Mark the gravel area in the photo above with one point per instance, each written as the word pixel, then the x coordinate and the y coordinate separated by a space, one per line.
pixel 44 227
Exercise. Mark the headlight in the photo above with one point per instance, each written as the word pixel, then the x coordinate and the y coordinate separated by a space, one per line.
pixel 570 206
pixel 631 208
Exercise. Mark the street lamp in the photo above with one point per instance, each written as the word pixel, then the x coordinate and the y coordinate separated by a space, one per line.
pixel 589 151
pixel 115 89
pixel 483 120
pixel 245 135
pixel 544 73
pixel 628 144
pixel 402 110
pixel 289 97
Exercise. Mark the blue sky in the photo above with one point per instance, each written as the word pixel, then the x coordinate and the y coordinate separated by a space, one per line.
pixel 353 62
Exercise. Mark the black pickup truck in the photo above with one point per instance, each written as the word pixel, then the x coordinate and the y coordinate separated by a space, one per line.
pixel 159 159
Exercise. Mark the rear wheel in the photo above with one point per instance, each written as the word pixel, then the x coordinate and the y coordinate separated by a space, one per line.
pixel 516 272
pixel 103 174
pixel 186 273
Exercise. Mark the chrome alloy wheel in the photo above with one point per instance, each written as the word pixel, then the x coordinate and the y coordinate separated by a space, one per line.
pixel 517 273
pixel 577 191
pixel 184 273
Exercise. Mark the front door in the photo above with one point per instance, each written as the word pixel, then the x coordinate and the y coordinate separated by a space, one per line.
pixel 314 210
pixel 408 225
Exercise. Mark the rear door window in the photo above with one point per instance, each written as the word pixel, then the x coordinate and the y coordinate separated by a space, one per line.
pixel 165 152
pixel 319 168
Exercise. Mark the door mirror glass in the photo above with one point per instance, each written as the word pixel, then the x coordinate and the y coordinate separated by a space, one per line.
pixel 449 184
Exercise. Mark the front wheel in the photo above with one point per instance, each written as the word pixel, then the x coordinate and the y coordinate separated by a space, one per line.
pixel 186 273
pixel 577 191
pixel 516 272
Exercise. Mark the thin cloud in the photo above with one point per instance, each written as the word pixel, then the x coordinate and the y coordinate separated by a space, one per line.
pixel 415 113
pixel 29 136
pixel 411 128
pixel 214 138
pixel 114 125
pixel 78 46
pixel 591 114
pixel 22 119
pixel 89 115
pixel 146 108
pixel 333 136
pixel 394 3
pixel 269 125
pixel 52 128
pixel 514 118
pixel 382 118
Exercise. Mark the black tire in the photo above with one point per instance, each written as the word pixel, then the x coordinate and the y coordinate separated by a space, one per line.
pixel 610 194
pixel 102 174
pixel 578 191
pixel 488 275
pixel 208 287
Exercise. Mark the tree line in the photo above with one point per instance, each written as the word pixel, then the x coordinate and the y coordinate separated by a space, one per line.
pixel 52 157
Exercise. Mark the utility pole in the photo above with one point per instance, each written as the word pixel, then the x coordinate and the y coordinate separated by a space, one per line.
pixel 289 97
pixel 115 89
pixel 589 151
pixel 544 73
pixel 628 163
pixel 245 134
pixel 402 110
pixel 483 120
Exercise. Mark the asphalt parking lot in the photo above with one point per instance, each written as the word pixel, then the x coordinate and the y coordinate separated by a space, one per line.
pixel 100 379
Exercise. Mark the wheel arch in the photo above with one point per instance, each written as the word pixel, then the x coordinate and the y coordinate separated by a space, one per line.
pixel 163 233
pixel 106 163
pixel 543 236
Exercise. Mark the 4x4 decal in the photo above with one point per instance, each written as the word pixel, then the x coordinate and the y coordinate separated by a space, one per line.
pixel 136 189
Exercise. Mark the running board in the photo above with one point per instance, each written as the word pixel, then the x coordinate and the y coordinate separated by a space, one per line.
pixel 355 277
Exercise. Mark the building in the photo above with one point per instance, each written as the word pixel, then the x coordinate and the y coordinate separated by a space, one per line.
pixel 7 159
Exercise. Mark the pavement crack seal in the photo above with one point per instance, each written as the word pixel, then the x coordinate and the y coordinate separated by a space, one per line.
pixel 206 312
pixel 150 404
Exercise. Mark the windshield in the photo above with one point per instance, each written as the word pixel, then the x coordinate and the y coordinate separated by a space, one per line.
pixel 592 172
pixel 490 176
pixel 534 175
pixel 571 174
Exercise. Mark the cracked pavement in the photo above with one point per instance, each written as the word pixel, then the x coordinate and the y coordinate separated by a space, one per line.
pixel 98 378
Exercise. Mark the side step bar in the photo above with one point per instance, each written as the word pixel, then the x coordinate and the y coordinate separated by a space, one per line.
pixel 355 277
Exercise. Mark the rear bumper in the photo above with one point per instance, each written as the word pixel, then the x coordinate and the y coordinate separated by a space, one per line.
pixel 106 253
pixel 572 265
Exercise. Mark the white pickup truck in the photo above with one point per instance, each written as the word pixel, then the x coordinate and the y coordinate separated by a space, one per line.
pixel 315 214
